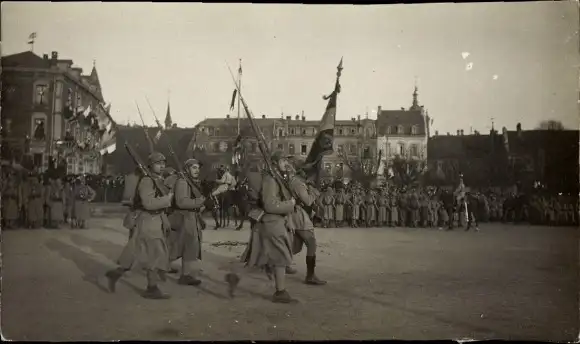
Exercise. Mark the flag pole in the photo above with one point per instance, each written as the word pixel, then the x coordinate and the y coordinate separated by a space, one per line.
pixel 240 89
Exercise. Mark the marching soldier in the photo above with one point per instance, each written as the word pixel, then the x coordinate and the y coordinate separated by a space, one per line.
pixel 394 216
pixel 355 202
pixel 301 225
pixel 370 208
pixel 69 199
pixel 186 232
pixel 11 202
pixel 82 194
pixel 56 203
pixel 35 203
pixel 339 200
pixel 147 246
pixel 276 253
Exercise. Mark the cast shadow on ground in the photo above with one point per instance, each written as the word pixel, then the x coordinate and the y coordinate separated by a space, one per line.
pixel 92 270
pixel 112 251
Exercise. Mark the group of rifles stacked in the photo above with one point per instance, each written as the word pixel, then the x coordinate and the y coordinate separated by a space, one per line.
pixel 47 200
pixel 165 223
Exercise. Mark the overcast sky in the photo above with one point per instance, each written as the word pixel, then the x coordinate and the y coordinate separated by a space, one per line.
pixel 524 57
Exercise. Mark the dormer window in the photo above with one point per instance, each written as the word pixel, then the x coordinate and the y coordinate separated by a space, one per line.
pixel 339 131
pixel 389 129
pixel 414 130
pixel 280 132
pixel 400 129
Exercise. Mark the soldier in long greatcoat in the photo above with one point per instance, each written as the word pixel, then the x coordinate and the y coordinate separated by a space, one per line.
pixel 25 186
pixel 300 224
pixel 69 199
pixel 56 203
pixel 82 194
pixel 147 246
pixel 339 201
pixel 276 250
pixel 328 206
pixel 11 202
pixel 383 203
pixel 35 203
pixel 187 226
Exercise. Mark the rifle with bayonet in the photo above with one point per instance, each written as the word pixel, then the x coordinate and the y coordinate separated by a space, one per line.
pixel 274 171
pixel 180 170
pixel 151 146
pixel 159 185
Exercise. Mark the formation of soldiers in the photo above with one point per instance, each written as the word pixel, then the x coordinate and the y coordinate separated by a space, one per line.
pixel 355 206
pixel 165 223
pixel 33 201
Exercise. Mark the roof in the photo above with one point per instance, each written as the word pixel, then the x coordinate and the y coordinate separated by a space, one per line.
pixel 406 118
pixel 233 121
pixel 179 138
pixel 25 59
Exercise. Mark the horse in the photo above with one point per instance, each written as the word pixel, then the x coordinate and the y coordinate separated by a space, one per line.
pixel 232 200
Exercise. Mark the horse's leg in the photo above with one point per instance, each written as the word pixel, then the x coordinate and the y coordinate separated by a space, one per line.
pixel 215 216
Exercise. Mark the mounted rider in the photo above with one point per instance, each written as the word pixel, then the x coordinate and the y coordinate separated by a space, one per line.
pixel 227 182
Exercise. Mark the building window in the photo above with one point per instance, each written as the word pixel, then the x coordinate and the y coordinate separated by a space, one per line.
pixel 39 129
pixel 303 131
pixel 414 130
pixel 367 152
pixel 328 166
pixel 217 131
pixel 400 129
pixel 414 151
pixel 389 129
pixel 303 149
pixel 280 146
pixel 41 94
pixel 291 131
pixel 291 149
pixel 401 149
pixel 340 132
pixel 340 149
pixel 216 147
pixel 352 148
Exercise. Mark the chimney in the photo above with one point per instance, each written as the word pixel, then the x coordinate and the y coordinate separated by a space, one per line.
pixel 359 118
pixel 303 117
pixel 54 55
pixel 519 128
pixel 288 118
pixel 228 116
pixel 436 132
pixel 297 117
pixel 263 116
pixel 461 132
pixel 448 134
pixel 45 57
pixel 402 109
pixel 458 132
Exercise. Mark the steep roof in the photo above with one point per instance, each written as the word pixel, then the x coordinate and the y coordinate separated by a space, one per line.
pixel 406 118
pixel 25 59
pixel 135 136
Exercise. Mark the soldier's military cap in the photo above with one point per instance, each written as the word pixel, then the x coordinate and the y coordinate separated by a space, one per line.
pixel 278 155
pixel 192 161
pixel 156 157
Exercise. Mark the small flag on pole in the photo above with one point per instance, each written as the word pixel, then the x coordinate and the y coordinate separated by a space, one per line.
pixel 233 99
pixel 31 38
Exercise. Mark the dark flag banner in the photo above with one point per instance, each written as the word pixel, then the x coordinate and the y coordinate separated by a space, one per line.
pixel 237 156
pixel 324 139
pixel 233 99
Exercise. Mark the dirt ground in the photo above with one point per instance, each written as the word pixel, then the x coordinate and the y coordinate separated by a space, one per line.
pixel 504 282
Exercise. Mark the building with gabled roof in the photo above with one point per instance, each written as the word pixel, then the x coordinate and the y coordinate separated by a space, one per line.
pixel 36 92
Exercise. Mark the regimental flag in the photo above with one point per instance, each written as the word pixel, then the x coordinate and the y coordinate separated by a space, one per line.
pixel 69 112
pixel 158 136
pixel 233 102
pixel 380 164
pixel 31 38
pixel 87 111
pixel 324 139
pixel 238 151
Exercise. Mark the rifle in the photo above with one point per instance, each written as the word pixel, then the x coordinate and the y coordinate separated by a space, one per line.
pixel 275 172
pixel 159 185
pixel 180 170
pixel 145 129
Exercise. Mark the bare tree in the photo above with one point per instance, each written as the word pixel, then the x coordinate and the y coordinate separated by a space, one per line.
pixel 551 125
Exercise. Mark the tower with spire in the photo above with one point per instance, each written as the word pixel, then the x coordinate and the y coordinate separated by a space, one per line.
pixel 168 120
pixel 415 105
pixel 93 79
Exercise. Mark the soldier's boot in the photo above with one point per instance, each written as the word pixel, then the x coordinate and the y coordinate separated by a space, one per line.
pixel 311 277
pixel 113 276
pixel 188 280
pixel 290 270
pixel 154 293
pixel 282 296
